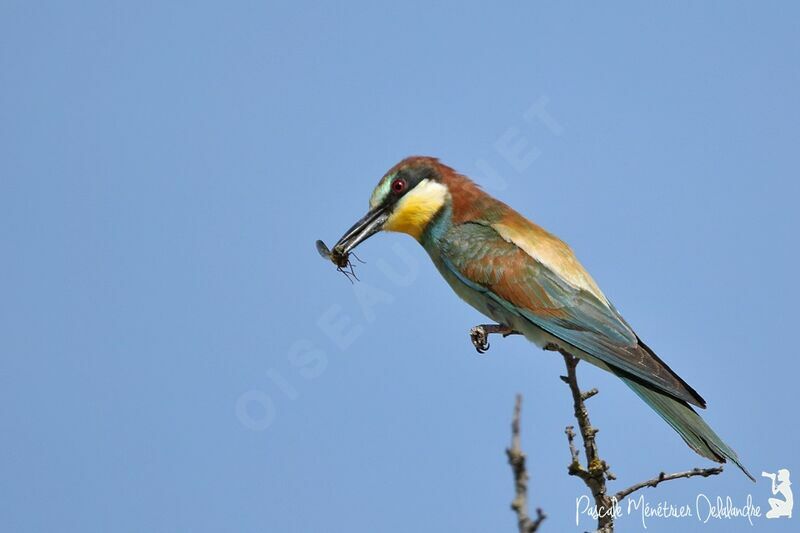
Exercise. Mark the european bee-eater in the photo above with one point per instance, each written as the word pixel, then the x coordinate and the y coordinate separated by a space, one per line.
pixel 529 282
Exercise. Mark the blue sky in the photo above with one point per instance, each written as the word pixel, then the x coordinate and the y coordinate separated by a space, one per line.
pixel 176 357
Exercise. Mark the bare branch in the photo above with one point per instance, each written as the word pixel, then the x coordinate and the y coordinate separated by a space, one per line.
pixel 516 458
pixel 663 476
pixel 575 468
pixel 596 472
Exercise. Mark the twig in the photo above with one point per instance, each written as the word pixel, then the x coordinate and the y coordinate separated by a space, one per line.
pixel 663 476
pixel 516 458
pixel 597 470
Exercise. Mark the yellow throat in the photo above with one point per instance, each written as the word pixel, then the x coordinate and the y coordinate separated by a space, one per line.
pixel 416 209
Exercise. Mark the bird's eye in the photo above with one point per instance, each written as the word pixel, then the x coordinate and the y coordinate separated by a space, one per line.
pixel 398 185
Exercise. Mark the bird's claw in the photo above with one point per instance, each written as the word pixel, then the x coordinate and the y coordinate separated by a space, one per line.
pixel 480 339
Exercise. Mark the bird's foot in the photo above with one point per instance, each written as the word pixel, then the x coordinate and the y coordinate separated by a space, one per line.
pixel 479 335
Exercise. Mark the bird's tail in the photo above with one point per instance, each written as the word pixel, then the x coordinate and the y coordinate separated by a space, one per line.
pixel 685 420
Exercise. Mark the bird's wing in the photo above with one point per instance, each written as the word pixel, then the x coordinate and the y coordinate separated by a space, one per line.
pixel 557 302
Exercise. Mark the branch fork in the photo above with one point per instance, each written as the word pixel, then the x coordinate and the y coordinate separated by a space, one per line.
pixel 595 473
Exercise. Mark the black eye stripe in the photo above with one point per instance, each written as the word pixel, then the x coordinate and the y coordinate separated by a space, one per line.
pixel 410 176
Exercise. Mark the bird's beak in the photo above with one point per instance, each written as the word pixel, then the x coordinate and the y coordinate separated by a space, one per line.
pixel 371 224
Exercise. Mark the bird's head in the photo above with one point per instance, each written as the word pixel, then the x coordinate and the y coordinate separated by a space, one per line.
pixel 406 199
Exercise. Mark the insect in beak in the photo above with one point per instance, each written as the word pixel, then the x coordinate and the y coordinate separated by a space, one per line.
pixel 340 259
pixel 369 225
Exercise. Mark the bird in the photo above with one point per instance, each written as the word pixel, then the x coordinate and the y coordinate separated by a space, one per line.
pixel 529 282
